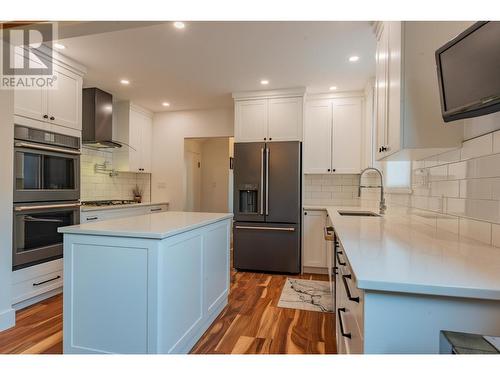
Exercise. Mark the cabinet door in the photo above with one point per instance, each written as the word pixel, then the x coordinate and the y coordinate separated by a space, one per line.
pixel 146 143
pixel 31 103
pixel 135 138
pixel 318 137
pixel 394 123
pixel 381 71
pixel 65 100
pixel 251 120
pixel 285 119
pixel 347 122
pixel 314 241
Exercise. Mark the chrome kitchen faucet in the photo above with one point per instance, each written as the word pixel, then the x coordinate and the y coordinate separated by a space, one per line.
pixel 382 206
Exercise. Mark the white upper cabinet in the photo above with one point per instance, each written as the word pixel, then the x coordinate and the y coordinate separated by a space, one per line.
pixel 318 137
pixel 347 141
pixel 251 120
pixel 285 119
pixel 64 103
pixel 333 136
pixel 408 121
pixel 269 116
pixel 60 105
pixel 132 126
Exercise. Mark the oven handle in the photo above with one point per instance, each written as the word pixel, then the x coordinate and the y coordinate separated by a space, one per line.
pixel 47 148
pixel 31 218
pixel 31 208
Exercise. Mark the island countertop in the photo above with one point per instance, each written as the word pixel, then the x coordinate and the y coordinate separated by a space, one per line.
pixel 153 226
pixel 396 252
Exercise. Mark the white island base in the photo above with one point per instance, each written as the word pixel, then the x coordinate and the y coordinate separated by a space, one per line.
pixel 127 293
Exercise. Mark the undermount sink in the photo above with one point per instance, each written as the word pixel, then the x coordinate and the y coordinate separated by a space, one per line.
pixel 357 213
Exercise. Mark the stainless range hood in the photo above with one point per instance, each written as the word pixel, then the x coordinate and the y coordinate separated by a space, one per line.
pixel 97 119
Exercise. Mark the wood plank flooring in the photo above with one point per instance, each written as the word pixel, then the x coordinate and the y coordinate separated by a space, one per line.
pixel 250 323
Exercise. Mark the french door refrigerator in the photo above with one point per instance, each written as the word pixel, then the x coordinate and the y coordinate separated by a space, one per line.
pixel 267 206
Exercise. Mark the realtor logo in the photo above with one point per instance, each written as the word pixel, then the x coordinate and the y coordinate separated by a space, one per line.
pixel 27 56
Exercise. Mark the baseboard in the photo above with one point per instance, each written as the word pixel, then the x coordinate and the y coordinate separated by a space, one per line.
pixel 36 299
pixel 7 319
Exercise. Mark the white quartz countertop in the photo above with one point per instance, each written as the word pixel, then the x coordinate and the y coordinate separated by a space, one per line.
pixel 155 226
pixel 120 206
pixel 397 253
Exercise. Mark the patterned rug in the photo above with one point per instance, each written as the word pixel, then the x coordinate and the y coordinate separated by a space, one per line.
pixel 306 295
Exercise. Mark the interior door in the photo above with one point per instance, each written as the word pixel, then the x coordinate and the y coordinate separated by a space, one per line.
pixel 192 163
pixel 283 176
pixel 249 181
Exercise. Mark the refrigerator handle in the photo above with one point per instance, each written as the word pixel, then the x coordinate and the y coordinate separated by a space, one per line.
pixel 262 181
pixel 267 180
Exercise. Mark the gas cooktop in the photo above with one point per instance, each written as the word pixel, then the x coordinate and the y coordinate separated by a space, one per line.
pixel 114 202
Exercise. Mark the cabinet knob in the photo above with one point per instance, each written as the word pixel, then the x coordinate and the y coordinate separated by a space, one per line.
pixel 52 118
pixel 270 139
pixel 305 213
pixel 45 116
pixel 328 169
pixel 333 170
pixel 265 138
pixel 383 148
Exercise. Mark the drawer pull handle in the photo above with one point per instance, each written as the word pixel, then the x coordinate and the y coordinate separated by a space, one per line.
pixel 46 281
pixel 338 259
pixel 155 209
pixel 346 286
pixel 341 324
pixel 92 218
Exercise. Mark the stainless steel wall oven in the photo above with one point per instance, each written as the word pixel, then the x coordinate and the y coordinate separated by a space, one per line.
pixel 46 193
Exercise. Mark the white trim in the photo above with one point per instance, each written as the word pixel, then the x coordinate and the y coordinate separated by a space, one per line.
pixel 244 95
pixel 335 95
pixel 7 319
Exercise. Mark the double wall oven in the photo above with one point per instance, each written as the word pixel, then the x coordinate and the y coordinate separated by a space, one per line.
pixel 46 193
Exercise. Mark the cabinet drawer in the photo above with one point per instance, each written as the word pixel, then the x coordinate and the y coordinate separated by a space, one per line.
pixel 39 270
pixel 349 331
pixel 356 301
pixel 36 286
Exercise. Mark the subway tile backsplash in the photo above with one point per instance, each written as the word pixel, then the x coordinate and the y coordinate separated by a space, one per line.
pixel 100 186
pixel 328 189
pixel 461 188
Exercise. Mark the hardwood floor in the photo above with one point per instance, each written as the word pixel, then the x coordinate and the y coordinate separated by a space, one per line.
pixel 250 323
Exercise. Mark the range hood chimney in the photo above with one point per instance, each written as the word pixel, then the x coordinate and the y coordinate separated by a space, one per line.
pixel 97 119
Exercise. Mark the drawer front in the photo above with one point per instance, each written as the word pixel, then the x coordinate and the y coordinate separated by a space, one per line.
pixel 36 286
pixel 356 300
pixel 38 270
pixel 156 209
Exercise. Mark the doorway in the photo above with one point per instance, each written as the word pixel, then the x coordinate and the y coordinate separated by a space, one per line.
pixel 208 174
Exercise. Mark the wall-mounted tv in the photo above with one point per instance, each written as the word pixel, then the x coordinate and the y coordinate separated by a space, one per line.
pixel 469 72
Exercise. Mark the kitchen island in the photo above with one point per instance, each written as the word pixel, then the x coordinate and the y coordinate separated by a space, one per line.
pixel 144 284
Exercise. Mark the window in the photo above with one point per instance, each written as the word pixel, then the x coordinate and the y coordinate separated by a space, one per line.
pixel 397 175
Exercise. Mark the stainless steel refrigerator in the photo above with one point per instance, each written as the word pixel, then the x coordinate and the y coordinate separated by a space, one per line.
pixel 267 206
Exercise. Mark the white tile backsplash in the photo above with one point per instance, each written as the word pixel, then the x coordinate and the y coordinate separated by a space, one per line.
pixel 337 189
pixel 461 188
pixel 100 186
pixel 479 146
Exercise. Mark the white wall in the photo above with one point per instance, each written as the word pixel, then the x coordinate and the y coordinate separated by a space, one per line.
pixel 7 315
pixel 169 131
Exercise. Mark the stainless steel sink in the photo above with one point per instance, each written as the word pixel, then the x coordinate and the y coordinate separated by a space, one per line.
pixel 357 213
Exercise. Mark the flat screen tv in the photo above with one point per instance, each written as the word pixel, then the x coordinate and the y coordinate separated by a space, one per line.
pixel 469 72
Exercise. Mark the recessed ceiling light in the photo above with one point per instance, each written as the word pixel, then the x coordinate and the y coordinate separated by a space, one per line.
pixel 165 104
pixel 264 82
pixel 124 81
pixel 353 58
pixel 179 25
pixel 333 88
pixel 59 46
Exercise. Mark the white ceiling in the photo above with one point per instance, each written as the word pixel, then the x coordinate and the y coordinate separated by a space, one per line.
pixel 201 65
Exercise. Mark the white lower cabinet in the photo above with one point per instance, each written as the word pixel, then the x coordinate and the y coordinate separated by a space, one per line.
pixel 315 246
pixel 114 213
